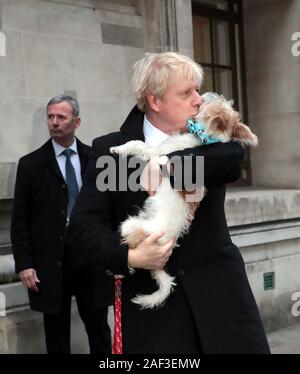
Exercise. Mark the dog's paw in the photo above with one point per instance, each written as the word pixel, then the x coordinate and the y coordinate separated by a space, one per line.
pixel 119 150
pixel 114 150
pixel 122 150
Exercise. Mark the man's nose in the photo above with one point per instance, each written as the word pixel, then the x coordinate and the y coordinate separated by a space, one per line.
pixel 54 120
pixel 198 99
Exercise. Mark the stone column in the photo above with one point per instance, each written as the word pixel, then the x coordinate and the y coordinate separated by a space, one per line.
pixel 167 26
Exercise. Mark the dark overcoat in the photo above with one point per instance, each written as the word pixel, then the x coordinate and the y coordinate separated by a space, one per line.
pixel 212 303
pixel 39 222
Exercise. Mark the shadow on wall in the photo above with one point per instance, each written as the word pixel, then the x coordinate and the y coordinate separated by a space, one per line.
pixel 40 132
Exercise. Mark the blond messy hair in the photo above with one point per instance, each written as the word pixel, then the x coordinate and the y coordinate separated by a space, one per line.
pixel 155 71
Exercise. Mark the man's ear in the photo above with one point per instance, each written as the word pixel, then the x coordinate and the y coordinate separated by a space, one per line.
pixel 77 122
pixel 153 102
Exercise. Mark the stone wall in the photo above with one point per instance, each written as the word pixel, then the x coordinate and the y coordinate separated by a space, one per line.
pixel 273 81
pixel 265 225
pixel 84 48
pixel 270 218
pixel 80 47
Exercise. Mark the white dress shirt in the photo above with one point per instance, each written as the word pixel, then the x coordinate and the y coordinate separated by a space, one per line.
pixel 153 136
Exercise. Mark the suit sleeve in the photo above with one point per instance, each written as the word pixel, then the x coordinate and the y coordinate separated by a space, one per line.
pixel 20 230
pixel 90 236
pixel 222 162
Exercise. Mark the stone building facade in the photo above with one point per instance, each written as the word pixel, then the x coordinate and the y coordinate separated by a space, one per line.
pixel 87 47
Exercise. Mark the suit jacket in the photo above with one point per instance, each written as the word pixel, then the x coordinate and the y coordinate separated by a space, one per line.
pixel 39 222
pixel 209 269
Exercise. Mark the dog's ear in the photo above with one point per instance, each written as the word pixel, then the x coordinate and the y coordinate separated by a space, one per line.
pixel 219 124
pixel 243 134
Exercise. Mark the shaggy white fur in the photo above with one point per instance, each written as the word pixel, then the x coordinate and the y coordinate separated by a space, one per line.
pixel 168 210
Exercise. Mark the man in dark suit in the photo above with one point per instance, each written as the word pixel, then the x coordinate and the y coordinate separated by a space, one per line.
pixel 211 309
pixel 48 181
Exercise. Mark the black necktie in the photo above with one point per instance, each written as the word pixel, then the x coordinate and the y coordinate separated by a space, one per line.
pixel 70 180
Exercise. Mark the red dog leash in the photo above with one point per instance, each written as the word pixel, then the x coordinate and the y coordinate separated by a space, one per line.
pixel 117 347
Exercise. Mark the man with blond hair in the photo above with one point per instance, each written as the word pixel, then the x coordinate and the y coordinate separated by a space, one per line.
pixel 212 309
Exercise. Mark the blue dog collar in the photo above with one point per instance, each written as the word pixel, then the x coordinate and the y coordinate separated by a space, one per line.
pixel 197 128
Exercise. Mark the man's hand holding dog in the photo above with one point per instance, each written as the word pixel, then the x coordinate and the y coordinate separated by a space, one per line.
pixel 149 254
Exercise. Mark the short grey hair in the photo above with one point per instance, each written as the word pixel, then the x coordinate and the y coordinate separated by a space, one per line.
pixel 71 100
pixel 155 71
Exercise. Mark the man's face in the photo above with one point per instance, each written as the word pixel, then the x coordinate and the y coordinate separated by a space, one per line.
pixel 180 102
pixel 62 123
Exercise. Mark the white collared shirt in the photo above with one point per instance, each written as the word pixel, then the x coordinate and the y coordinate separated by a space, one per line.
pixel 153 136
pixel 61 160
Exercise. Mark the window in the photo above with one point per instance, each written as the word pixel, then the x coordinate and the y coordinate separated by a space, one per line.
pixel 218 47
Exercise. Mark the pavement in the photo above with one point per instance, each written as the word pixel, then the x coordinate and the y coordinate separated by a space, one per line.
pixel 286 340
pixel 283 341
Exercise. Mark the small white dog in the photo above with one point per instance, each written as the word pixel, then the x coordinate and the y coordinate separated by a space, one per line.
pixel 168 210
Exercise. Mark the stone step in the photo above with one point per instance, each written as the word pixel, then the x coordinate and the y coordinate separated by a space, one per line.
pixel 13 296
pixel 7 269
pixel 7 180
pixel 5 249
pixel 245 206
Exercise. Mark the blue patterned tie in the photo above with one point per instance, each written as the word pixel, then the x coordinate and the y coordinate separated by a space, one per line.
pixel 70 180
